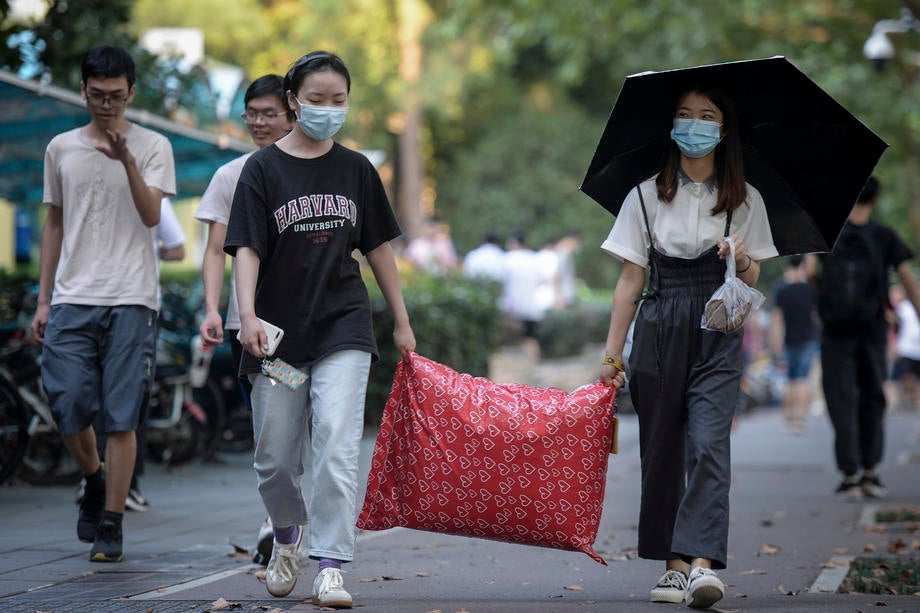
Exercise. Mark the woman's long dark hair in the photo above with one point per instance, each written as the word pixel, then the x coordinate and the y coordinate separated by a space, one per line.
pixel 729 168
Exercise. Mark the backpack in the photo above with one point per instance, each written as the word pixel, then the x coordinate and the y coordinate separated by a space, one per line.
pixel 852 287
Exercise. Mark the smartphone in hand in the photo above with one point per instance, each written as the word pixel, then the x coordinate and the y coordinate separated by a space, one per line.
pixel 273 334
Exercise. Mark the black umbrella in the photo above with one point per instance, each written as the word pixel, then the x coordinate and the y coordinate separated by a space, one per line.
pixel 805 153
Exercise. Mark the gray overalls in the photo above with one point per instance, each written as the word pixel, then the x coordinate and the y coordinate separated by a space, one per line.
pixel 684 383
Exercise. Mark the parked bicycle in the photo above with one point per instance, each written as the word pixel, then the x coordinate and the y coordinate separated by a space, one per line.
pixel 31 447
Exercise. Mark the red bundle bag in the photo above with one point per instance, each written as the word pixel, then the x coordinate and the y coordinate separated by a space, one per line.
pixel 463 455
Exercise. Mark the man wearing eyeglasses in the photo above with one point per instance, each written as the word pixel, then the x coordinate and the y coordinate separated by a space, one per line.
pixel 103 183
pixel 268 118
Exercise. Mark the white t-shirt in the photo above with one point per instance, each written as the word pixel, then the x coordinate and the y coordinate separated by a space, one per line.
pixel 545 294
pixel 523 275
pixel 487 260
pixel 215 208
pixel 166 235
pixel 685 227
pixel 908 343
pixel 107 253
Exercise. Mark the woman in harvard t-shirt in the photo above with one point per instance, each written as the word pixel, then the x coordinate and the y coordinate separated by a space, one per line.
pixel 301 207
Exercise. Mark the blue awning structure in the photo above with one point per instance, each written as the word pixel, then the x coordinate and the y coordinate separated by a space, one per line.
pixel 31 114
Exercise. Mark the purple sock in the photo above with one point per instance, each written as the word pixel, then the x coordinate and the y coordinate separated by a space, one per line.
pixel 288 535
pixel 325 563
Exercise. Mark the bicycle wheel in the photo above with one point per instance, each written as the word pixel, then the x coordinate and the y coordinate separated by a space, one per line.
pixel 14 430
pixel 179 442
pixel 47 461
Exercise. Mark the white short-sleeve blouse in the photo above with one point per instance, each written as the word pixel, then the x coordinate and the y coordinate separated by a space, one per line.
pixel 685 227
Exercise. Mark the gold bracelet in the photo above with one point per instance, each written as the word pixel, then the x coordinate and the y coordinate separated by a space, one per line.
pixel 750 261
pixel 617 363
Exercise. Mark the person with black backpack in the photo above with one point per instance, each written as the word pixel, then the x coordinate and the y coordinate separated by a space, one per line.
pixel 852 303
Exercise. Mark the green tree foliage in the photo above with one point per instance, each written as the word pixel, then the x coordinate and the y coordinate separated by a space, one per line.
pixel 515 94
pixel 55 47
pixel 582 50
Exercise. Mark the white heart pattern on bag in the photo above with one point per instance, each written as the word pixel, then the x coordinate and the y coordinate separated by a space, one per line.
pixel 475 458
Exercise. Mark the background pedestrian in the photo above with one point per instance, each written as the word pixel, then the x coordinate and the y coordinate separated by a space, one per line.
pixel 852 302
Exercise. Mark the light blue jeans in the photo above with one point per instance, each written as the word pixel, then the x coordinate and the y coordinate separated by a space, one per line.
pixel 326 417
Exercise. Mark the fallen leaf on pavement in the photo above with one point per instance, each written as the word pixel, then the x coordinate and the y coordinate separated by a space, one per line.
pixel 783 590
pixel 875 528
pixel 575 588
pixel 897 546
pixel 841 550
pixel 260 575
pixel 768 550
pixel 221 604
pixel 869 547
pixel 421 574
pixel 754 571
pixel 382 578
pixel 881 603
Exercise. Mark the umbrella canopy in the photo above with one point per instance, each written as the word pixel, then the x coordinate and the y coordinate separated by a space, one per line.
pixel 805 153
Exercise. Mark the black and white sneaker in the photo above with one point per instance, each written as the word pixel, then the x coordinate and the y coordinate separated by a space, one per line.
pixel 850 489
pixel 704 588
pixel 136 501
pixel 872 487
pixel 670 588
pixel 264 543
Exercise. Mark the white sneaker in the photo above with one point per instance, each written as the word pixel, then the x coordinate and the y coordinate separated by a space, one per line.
pixel 328 590
pixel 704 588
pixel 281 574
pixel 671 587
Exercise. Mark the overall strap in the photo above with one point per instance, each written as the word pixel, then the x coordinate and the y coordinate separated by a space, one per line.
pixel 648 228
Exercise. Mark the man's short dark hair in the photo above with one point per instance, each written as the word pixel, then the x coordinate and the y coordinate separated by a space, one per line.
pixel 108 62
pixel 269 85
pixel 795 260
pixel 869 191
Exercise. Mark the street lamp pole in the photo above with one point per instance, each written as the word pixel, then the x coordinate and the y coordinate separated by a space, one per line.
pixel 880 50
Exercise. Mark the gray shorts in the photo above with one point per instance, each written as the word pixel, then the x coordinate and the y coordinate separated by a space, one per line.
pixel 98 358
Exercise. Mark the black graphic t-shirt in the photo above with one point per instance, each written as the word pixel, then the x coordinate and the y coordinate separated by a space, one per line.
pixel 304 218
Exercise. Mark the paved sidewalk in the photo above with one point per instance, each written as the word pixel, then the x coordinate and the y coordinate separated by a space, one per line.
pixel 789 541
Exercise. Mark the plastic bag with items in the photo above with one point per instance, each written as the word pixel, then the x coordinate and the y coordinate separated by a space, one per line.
pixel 732 303
pixel 463 455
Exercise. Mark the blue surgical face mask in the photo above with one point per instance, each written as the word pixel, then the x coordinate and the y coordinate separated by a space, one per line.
pixel 321 122
pixel 696 137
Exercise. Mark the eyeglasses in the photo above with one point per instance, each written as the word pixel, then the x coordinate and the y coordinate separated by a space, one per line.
pixel 254 116
pixel 114 100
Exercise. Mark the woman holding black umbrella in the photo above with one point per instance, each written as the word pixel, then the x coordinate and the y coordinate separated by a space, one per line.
pixel 684 381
